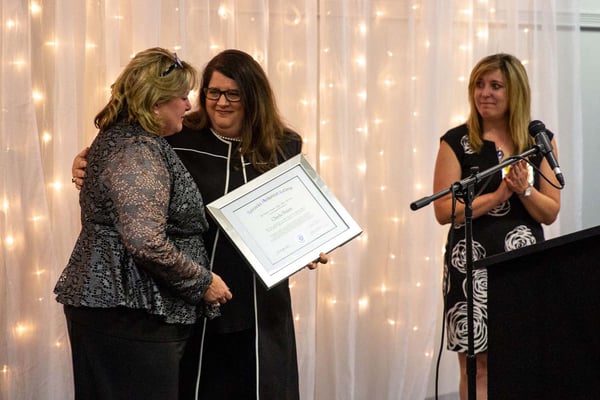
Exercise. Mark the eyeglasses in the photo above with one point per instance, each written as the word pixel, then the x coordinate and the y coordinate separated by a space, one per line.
pixel 176 64
pixel 215 94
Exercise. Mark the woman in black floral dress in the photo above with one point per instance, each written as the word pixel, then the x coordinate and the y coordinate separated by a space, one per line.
pixel 512 206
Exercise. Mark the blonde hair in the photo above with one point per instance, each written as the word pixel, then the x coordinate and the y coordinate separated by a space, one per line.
pixel 152 77
pixel 519 100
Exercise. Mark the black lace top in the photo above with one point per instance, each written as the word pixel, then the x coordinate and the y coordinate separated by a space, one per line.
pixel 142 220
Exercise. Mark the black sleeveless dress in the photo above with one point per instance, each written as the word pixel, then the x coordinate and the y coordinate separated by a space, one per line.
pixel 504 228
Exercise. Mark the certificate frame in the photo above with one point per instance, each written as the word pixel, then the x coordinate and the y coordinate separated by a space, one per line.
pixel 283 219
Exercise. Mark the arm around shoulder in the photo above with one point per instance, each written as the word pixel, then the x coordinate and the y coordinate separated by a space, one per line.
pixel 78 167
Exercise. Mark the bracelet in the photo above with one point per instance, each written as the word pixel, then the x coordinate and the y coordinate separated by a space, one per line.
pixel 527 191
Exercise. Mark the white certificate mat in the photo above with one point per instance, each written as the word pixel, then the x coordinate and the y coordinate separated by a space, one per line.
pixel 283 219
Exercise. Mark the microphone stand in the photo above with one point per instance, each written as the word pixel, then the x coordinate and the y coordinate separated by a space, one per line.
pixel 465 188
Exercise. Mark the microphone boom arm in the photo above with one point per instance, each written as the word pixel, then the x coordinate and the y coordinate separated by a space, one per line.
pixel 474 179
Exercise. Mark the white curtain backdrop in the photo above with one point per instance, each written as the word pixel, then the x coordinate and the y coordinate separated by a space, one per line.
pixel 371 86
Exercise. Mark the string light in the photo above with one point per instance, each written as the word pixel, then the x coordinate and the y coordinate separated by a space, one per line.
pixel 58 185
pixel 224 12
pixel 362 27
pixel 295 17
pixel 37 96
pixel 46 137
pixel 9 241
pixel 23 330
pixel 35 8
pixel 363 238
pixel 37 218
pixel 363 303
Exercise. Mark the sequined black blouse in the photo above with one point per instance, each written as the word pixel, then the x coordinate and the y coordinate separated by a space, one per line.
pixel 142 220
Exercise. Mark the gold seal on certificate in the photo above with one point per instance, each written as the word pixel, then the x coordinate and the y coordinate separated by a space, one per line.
pixel 283 219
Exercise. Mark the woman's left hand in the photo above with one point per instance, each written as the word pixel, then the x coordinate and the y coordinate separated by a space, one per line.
pixel 517 178
pixel 323 259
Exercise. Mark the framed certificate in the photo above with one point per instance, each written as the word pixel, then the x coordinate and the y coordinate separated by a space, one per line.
pixel 281 220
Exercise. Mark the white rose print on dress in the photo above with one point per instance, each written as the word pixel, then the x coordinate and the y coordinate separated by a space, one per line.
pixel 519 237
pixel 479 287
pixel 464 142
pixel 457 323
pixel 459 260
pixel 500 210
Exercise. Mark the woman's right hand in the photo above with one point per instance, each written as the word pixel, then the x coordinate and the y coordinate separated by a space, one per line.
pixel 217 292
pixel 78 167
pixel 503 192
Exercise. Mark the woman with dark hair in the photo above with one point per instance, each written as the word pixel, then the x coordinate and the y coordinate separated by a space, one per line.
pixel 235 135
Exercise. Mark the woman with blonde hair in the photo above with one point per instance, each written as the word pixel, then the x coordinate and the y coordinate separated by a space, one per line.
pixel 510 208
pixel 137 280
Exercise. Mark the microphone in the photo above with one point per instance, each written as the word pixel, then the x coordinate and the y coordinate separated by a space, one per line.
pixel 537 129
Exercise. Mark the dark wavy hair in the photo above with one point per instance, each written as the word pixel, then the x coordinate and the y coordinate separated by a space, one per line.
pixel 263 129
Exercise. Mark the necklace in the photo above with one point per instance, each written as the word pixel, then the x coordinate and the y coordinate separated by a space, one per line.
pixel 500 153
pixel 232 139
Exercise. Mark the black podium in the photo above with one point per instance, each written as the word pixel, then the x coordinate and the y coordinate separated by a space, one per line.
pixel 544 319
